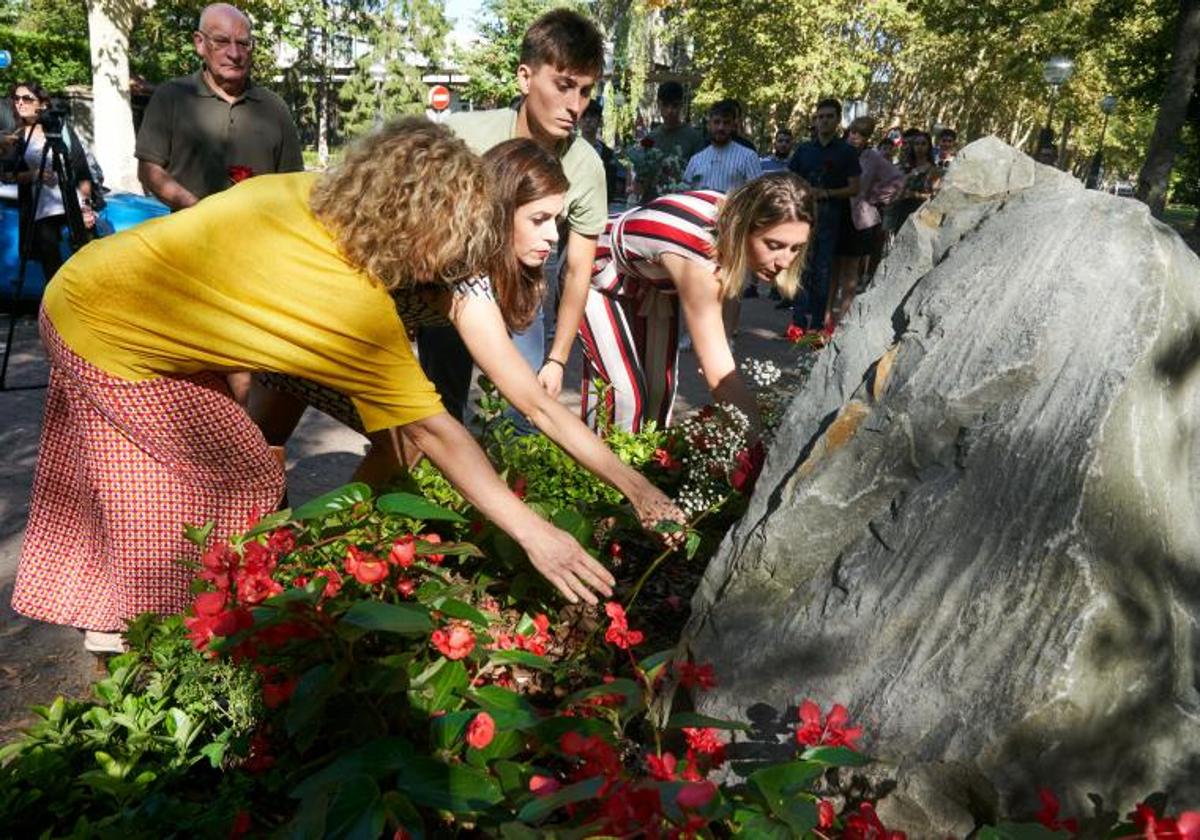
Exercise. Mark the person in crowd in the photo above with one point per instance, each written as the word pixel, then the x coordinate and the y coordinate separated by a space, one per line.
pixel 562 55
pixel 722 165
pixel 204 132
pixel 921 175
pixel 141 433
pixel 589 130
pixel 781 152
pixel 685 255
pixel 947 147
pixel 830 165
pixel 530 190
pixel 43 223
pixel 860 240
pixel 673 136
pixel 739 126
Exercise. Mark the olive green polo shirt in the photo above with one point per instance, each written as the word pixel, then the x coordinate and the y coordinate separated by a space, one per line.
pixel 197 136
pixel 683 142
pixel 586 205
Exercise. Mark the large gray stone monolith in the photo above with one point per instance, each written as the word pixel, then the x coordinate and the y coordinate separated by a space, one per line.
pixel 978 527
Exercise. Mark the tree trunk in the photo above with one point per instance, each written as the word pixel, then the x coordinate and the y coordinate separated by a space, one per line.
pixel 1155 176
pixel 109 22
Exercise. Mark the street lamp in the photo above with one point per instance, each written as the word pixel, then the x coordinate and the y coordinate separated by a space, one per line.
pixel 378 73
pixel 1108 104
pixel 1056 71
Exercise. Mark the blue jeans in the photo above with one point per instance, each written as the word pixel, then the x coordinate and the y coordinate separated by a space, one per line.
pixel 531 344
pixel 808 311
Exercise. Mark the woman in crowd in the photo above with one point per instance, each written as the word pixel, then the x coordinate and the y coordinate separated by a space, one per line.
pixel 43 224
pixel 686 254
pixel 921 175
pixel 290 273
pixel 860 237
pixel 530 188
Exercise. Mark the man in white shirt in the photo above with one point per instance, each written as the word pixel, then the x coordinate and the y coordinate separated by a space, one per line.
pixel 722 165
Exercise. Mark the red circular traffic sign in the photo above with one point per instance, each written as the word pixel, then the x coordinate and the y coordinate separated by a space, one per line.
pixel 439 97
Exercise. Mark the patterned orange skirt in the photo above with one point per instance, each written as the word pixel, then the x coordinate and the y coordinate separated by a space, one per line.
pixel 122 467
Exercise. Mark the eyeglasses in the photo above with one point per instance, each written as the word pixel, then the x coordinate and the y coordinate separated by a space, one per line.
pixel 24 97
pixel 224 42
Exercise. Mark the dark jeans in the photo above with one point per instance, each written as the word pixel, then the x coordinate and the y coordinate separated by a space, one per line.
pixel 46 244
pixel 808 311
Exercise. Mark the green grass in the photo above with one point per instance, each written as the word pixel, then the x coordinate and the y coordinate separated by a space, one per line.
pixel 1180 216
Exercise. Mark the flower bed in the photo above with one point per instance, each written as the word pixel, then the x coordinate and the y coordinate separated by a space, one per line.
pixel 389 665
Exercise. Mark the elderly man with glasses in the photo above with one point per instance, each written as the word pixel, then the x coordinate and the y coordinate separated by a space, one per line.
pixel 204 132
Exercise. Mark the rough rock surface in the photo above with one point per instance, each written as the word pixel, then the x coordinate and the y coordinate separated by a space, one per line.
pixel 979 527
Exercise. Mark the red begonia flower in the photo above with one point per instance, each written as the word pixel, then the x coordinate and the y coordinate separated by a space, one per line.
pixel 366 568
pixel 453 642
pixel 695 795
pixel 404 551
pixel 481 730
pixel 238 173
pixel 662 768
pixel 543 785
pixel 825 814
pixel 702 677
pixel 435 539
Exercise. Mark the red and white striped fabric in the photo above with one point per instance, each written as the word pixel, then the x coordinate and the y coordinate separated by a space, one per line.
pixel 121 468
pixel 630 328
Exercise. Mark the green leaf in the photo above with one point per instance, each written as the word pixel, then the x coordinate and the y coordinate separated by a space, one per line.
pixel 654 660
pixel 405 619
pixel 779 786
pixel 627 688
pixel 459 609
pixel 543 806
pixel 434 688
pixel 198 536
pixel 692 719
pixel 215 753
pixel 509 709
pixel 270 522
pixel 335 501
pixel 312 692
pixel 835 756
pixel 667 526
pixel 762 827
pixel 692 545
pixel 522 657
pixel 356 810
pixel 574 523
pixel 375 759
pixel 1019 831
pixel 463 790
pixel 503 745
pixel 447 729
pixel 415 507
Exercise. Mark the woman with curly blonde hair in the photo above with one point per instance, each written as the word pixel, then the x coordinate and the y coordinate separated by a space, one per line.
pixel 141 434
pixel 686 254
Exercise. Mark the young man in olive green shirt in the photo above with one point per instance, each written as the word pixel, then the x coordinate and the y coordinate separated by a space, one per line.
pixel 562 55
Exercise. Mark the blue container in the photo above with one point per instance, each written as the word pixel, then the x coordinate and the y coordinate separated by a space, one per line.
pixel 124 210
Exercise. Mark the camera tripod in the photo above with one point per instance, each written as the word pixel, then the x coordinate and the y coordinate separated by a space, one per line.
pixel 56 155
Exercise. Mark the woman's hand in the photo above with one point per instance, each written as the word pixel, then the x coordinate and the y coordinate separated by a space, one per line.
pixel 652 507
pixel 563 562
pixel 550 377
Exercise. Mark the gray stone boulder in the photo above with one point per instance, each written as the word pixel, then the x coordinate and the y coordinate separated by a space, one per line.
pixel 979 525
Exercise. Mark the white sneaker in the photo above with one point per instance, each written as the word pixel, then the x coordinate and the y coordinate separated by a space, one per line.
pixel 96 642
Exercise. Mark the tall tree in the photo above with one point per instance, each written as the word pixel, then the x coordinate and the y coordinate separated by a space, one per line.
pixel 1154 179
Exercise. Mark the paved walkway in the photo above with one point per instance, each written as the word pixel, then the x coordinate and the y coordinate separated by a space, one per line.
pixel 39 661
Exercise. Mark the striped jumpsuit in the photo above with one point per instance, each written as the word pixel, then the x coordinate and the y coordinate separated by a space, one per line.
pixel 630 328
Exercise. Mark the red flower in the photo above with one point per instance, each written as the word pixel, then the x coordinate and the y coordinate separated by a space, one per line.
pixel 629 809
pixel 618 632
pixel 1048 814
pixel 260 759
pixel 202 629
pixel 865 824
pixel 646 142
pixel 241 824
pixel 664 459
pixel 454 642
pixel 1148 821
pixel 696 795
pixel 333 582
pixel 366 568
pixel 749 463
pixel 614 549
pixel 662 768
pixel 537 643
pixel 832 733
pixel 706 741
pixel 237 173
pixel 543 785
pixel 406 586
pixel 696 676
pixel 481 730
pixel 254 588
pixel 520 487
pixel 404 551
pixel 209 604
pixel 794 333
pixel 257 559
pixel 435 539
pixel 825 814
pixel 281 541
pixel 275 694
pixel 598 757
pixel 219 563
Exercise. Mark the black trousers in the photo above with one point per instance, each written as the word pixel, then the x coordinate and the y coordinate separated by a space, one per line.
pixel 47 237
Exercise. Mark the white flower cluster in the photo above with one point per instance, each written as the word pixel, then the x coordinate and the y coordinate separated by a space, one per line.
pixel 762 373
pixel 714 438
